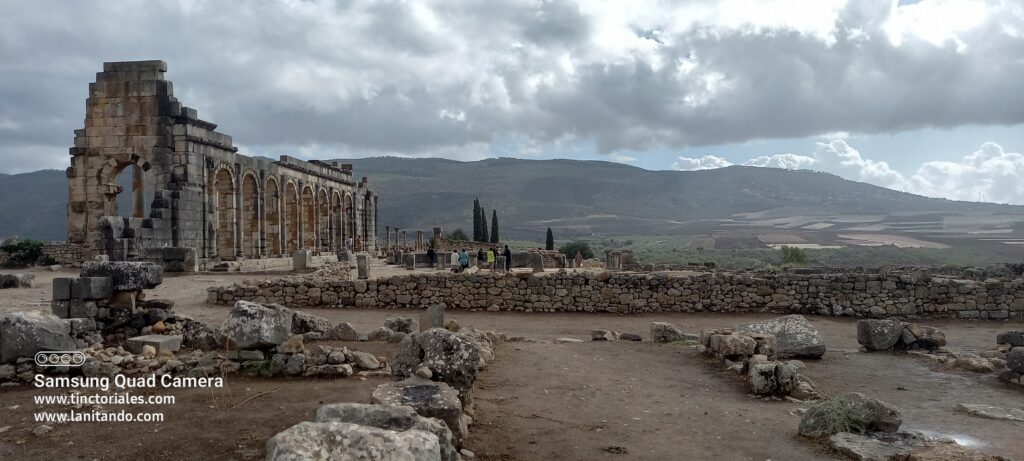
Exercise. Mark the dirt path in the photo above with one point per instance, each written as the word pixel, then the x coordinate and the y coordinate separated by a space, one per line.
pixel 546 400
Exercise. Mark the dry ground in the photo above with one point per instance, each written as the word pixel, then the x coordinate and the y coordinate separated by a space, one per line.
pixel 545 400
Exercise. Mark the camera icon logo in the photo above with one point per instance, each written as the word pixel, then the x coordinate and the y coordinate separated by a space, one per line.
pixel 60 358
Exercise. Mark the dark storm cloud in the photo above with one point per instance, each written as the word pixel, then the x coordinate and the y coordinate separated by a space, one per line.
pixel 355 77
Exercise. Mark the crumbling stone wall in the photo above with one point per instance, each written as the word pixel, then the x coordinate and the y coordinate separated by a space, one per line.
pixel 860 294
pixel 66 254
pixel 205 195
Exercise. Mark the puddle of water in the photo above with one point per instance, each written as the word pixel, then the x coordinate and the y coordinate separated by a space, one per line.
pixel 960 439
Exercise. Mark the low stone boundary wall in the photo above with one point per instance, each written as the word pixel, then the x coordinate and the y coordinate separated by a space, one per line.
pixel 851 294
pixel 67 254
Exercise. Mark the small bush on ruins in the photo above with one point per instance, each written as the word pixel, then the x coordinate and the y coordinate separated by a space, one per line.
pixel 842 416
pixel 458 234
pixel 1016 268
pixel 24 253
pixel 793 255
pixel 582 246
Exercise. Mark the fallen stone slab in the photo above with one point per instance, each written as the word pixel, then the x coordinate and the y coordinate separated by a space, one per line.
pixel 1015 359
pixel 256 326
pixel 922 336
pixel 602 335
pixel 890 447
pixel 430 399
pixel 22 334
pixel 126 276
pixel 991 412
pixel 795 337
pixel 346 441
pixel 161 343
pixel 392 418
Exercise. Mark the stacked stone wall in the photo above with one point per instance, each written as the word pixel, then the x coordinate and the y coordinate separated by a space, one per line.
pixel 67 254
pixel 866 294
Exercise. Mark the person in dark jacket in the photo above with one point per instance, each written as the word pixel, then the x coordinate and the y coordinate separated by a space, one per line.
pixel 481 258
pixel 508 258
pixel 432 256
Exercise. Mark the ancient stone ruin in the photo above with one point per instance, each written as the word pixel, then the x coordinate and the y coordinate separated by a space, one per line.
pixel 196 201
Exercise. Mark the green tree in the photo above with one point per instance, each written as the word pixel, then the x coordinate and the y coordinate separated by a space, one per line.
pixel 582 246
pixel 476 220
pixel 549 244
pixel 794 256
pixel 25 253
pixel 483 226
pixel 458 234
pixel 494 227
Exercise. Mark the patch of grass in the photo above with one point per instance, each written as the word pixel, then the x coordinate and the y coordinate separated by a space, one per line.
pixel 838 415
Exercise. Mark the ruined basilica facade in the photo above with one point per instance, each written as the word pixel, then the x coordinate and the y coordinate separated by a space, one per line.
pixel 190 187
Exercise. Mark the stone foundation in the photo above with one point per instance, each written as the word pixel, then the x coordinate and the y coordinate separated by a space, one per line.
pixel 67 254
pixel 859 294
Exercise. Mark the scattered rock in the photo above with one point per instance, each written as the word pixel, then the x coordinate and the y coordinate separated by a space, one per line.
pixel 22 334
pixel 794 335
pixel 364 360
pixel 424 372
pixel 401 324
pixel 974 364
pixel 452 325
pixel 126 276
pixel 1015 359
pixel 453 358
pixel 630 337
pixel 255 326
pixel 664 332
pixel 303 322
pixel 922 336
pixel 337 440
pixel 41 429
pixel 602 335
pixel 343 332
pixel 430 399
pixel 1012 338
pixel 887 447
pixel 991 412
pixel 879 335
pixel 392 418
pixel 433 317
pixel 293 345
pixel 380 334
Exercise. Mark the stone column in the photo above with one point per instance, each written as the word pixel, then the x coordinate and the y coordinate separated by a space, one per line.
pixel 138 192
pixel 420 245
pixel 363 266
pixel 387 243
pixel 405 241
pixel 261 224
pixel 236 220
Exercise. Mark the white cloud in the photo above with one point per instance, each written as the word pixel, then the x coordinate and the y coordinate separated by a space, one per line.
pixel 707 162
pixel 989 174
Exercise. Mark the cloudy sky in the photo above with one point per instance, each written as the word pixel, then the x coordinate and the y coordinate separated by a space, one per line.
pixel 922 96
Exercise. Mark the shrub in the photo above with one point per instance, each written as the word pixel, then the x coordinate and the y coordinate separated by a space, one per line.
pixel 582 246
pixel 23 253
pixel 793 255
pixel 458 234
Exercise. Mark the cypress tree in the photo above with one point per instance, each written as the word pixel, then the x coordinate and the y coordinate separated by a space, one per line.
pixel 476 220
pixel 483 226
pixel 549 244
pixel 494 227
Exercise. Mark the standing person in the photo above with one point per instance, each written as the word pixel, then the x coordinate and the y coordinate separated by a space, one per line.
pixel 464 259
pixel 432 256
pixel 454 261
pixel 508 258
pixel 480 258
pixel 490 259
pixel 578 260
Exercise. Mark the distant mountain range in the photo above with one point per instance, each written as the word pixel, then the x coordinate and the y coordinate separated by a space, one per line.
pixel 575 197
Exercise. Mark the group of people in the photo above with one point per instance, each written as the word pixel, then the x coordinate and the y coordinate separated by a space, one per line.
pixel 485 259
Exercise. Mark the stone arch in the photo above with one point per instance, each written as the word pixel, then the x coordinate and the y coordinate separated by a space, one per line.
pixel 225 213
pixel 291 216
pixel 250 215
pixel 272 216
pixel 308 218
pixel 323 205
pixel 114 178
